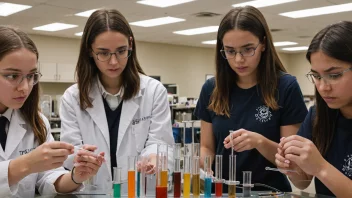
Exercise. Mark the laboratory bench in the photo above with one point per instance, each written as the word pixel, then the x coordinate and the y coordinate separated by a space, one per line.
pixel 238 195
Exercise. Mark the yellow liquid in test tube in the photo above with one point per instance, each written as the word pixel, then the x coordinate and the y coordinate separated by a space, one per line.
pixel 232 191
pixel 196 185
pixel 186 185
pixel 163 178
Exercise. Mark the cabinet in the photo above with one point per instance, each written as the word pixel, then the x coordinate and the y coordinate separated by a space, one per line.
pixel 57 72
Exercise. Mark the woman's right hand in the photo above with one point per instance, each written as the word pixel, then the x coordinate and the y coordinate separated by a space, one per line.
pixel 282 163
pixel 49 155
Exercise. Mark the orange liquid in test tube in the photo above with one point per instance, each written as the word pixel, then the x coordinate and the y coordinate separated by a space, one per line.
pixel 131 183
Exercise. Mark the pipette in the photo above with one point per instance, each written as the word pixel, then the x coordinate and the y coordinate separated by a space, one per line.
pixel 279 169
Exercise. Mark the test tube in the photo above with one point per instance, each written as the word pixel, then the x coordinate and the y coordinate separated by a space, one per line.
pixel 117 182
pixel 208 176
pixel 192 128
pixel 196 150
pixel 247 183
pixel 141 175
pixel 131 176
pixel 232 177
pixel 177 170
pixel 184 131
pixel 218 176
pixel 187 176
pixel 161 173
pixel 195 177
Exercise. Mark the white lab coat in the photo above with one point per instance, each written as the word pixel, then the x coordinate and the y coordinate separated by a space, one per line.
pixel 21 140
pixel 145 122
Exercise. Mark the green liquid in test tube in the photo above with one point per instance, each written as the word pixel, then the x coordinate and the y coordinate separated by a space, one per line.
pixel 117 182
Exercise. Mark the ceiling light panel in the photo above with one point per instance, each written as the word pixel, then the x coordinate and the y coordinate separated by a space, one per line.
pixel 263 3
pixel 163 3
pixel 55 27
pixel 7 9
pixel 319 11
pixel 157 21
pixel 195 31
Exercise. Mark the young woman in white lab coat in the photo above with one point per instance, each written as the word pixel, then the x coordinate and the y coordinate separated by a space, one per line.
pixel 29 158
pixel 114 105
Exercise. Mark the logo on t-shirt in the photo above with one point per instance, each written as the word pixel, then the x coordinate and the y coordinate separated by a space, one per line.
pixel 264 114
pixel 347 168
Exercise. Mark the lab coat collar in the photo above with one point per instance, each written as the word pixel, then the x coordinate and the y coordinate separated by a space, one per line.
pixel 15 134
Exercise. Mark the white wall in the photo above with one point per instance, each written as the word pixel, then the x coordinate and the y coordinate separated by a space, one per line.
pixel 299 67
pixel 185 66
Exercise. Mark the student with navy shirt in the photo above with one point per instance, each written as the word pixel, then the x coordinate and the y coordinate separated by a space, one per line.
pixel 251 94
pixel 323 146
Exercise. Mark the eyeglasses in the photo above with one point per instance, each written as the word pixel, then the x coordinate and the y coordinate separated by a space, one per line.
pixel 330 79
pixel 245 52
pixel 16 79
pixel 120 55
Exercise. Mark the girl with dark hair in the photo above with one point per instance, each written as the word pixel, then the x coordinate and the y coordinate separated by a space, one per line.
pixel 114 105
pixel 29 156
pixel 252 95
pixel 323 146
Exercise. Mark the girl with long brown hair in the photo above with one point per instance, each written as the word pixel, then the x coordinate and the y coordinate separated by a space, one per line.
pixel 251 95
pixel 114 105
pixel 323 146
pixel 29 156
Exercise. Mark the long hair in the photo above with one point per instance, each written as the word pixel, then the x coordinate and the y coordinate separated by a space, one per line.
pixel 12 39
pixel 86 70
pixel 246 19
pixel 335 41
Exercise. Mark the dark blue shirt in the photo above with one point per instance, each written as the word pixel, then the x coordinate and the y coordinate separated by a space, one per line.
pixel 339 153
pixel 248 111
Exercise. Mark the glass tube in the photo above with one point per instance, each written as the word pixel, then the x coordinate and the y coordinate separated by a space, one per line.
pixel 195 177
pixel 196 150
pixel 131 176
pixel 187 176
pixel 117 182
pixel 177 170
pixel 247 183
pixel 218 176
pixel 208 176
pixel 162 171
pixel 232 176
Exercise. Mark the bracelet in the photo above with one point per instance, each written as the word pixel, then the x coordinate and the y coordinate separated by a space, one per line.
pixel 72 177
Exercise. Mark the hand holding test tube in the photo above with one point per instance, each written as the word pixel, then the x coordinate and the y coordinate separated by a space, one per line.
pixel 86 162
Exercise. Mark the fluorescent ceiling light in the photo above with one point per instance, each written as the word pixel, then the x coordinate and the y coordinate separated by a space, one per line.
pixel 202 30
pixel 284 43
pixel 212 42
pixel 302 48
pixel 79 34
pixel 86 13
pixel 319 11
pixel 163 3
pixel 7 9
pixel 157 21
pixel 54 27
pixel 262 3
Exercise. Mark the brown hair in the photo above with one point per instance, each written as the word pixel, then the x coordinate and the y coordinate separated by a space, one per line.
pixel 247 19
pixel 334 41
pixel 12 39
pixel 86 71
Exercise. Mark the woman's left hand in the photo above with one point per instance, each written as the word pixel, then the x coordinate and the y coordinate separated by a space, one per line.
pixel 87 163
pixel 243 140
pixel 150 167
pixel 304 153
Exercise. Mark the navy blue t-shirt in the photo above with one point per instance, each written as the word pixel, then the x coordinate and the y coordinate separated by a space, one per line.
pixel 339 153
pixel 248 111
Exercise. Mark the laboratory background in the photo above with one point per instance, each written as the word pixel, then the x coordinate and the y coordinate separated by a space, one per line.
pixel 175 44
